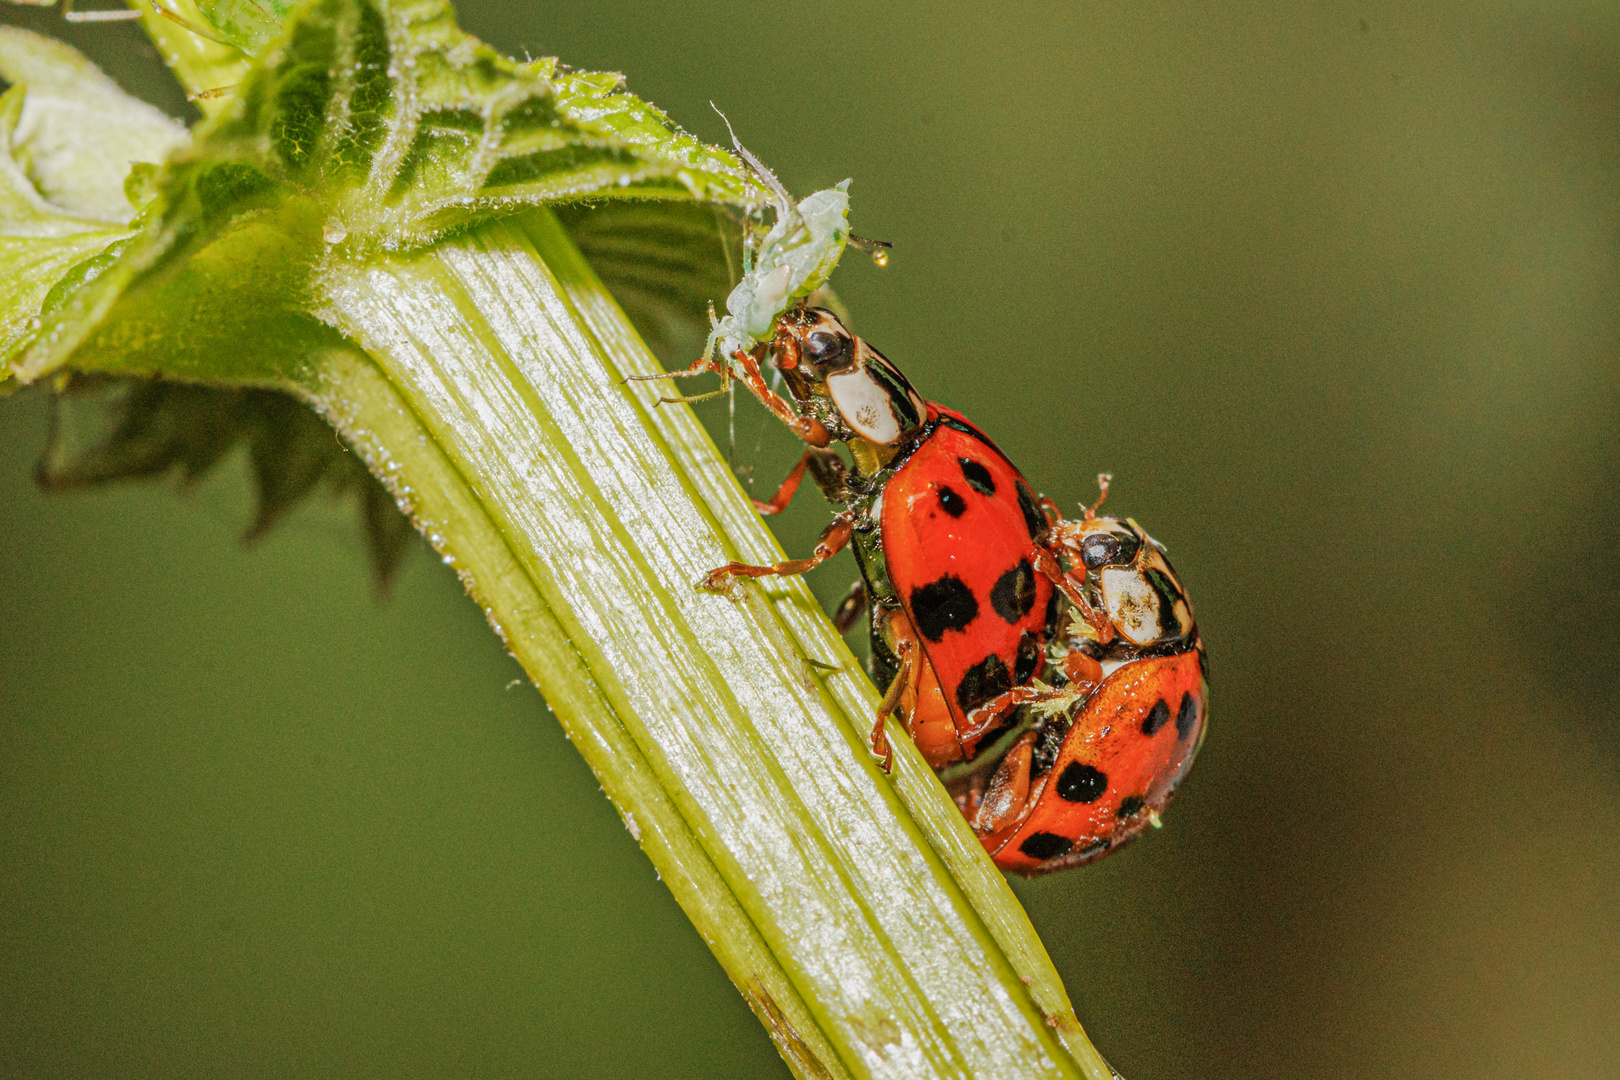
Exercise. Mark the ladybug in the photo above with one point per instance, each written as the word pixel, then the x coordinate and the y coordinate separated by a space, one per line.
pixel 1119 735
pixel 1016 647
pixel 945 529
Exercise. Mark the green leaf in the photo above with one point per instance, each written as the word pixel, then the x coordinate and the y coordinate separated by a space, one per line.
pixel 405 127
pixel 67 137
pixel 78 133
pixel 367 127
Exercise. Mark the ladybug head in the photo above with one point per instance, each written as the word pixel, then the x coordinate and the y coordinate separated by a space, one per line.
pixel 1129 577
pixel 844 382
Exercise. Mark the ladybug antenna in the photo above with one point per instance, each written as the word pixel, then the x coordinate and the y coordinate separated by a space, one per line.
pixel 1103 480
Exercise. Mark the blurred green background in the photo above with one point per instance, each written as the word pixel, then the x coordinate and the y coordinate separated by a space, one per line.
pixel 1331 289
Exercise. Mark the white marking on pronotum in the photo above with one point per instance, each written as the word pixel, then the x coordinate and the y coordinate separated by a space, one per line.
pixel 865 405
pixel 1133 606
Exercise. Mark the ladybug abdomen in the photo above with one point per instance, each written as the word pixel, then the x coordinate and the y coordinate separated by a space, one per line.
pixel 959 527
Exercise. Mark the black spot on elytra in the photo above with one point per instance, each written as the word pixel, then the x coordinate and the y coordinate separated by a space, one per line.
pixel 1013 594
pixel 1045 845
pixel 1079 782
pixel 1029 658
pixel 977 476
pixel 1186 716
pixel 1034 520
pixel 952 503
pixel 982 682
pixel 1156 718
pixel 946 604
pixel 1129 805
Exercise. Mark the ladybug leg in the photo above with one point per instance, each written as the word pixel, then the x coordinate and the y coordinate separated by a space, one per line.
pixel 891 697
pixel 834 538
pixel 1049 564
pixel 825 466
pixel 983 718
pixel 850 608
pixel 1084 674
pixel 1006 797
pixel 788 488
pixel 807 428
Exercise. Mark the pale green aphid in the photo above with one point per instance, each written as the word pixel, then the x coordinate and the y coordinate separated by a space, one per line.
pixel 792 260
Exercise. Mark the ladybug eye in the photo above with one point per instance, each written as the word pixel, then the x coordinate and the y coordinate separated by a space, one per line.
pixel 822 347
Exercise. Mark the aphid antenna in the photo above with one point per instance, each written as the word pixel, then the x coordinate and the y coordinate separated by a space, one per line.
pixel 867 244
pixel 766 176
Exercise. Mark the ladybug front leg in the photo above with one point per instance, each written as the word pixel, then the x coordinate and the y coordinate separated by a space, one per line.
pixel 834 538
pixel 1049 564
pixel 903 675
pixel 807 428
pixel 824 465
pixel 788 488
pixel 1084 675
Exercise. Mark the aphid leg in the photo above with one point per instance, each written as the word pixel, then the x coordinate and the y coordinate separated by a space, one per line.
pixel 850 608
pixel 106 15
pixel 703 365
pixel 1006 797
pixel 189 27
pixel 902 676
pixel 834 538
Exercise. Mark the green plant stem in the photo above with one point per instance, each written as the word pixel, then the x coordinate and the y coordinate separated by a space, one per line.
pixel 483 381
pixel 580 515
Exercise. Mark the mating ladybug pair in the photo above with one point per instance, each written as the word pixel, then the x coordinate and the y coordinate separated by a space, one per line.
pixel 1049 669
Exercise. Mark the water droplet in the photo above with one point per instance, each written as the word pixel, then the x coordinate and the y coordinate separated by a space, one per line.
pixel 880 257
pixel 334 231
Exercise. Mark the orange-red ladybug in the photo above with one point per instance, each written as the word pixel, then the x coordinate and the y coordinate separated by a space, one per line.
pixel 1113 742
pixel 970 576
pixel 945 529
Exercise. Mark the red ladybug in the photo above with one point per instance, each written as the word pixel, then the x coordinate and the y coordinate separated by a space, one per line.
pixel 945 530
pixel 969 575
pixel 1115 741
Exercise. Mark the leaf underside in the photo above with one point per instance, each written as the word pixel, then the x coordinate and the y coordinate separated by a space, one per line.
pixel 106 429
